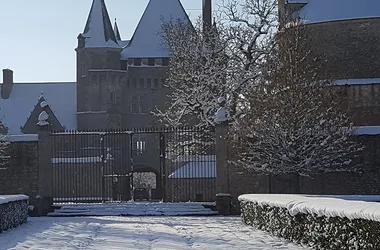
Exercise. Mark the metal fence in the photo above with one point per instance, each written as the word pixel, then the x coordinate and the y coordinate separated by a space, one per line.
pixel 170 164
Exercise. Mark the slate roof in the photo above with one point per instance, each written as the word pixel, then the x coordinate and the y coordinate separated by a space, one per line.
pixel 98 30
pixel 146 41
pixel 61 97
pixel 195 170
pixel 317 11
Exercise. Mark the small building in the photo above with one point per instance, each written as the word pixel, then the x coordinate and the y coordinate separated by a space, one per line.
pixel 194 179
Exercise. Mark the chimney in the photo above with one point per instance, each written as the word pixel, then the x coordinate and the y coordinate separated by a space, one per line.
pixel 6 87
pixel 207 14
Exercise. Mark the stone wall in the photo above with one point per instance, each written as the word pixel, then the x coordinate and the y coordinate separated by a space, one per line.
pixel 20 174
pixel 244 181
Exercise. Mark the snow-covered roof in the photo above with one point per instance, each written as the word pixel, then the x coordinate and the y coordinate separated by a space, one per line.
pixel 124 43
pixel 361 81
pixel 194 158
pixel 147 41
pixel 19 138
pixel 317 11
pixel 367 130
pixel 297 1
pixel 195 170
pixel 61 97
pixel 98 31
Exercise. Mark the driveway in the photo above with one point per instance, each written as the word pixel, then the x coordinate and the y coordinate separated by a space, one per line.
pixel 105 233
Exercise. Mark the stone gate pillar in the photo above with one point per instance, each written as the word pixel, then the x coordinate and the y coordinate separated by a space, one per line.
pixel 45 167
pixel 223 198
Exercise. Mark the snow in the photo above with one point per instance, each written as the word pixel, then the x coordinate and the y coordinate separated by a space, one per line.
pixel 361 81
pixel 351 207
pixel 166 233
pixel 298 1
pixel 134 209
pixel 367 130
pixel 62 99
pixel 317 11
pixel 184 158
pixel 147 41
pixel 19 138
pixel 206 169
pixel 79 160
pixel 9 198
pixel 98 25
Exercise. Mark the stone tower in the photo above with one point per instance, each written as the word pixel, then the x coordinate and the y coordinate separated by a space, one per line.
pixel 98 57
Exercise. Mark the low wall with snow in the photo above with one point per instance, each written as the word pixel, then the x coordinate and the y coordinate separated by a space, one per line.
pixel 13 211
pixel 321 222
pixel 20 174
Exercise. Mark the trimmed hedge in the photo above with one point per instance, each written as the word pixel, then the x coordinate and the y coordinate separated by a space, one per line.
pixel 333 233
pixel 13 214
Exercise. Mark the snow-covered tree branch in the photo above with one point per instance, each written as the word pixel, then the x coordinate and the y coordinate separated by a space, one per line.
pixel 224 61
pixel 3 147
pixel 294 121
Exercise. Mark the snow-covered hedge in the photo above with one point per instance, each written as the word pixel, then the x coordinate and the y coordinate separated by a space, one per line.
pixel 321 222
pixel 13 211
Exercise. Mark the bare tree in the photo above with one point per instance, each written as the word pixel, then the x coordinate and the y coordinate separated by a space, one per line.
pixel 224 61
pixel 295 121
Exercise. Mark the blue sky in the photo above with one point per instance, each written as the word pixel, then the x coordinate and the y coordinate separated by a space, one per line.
pixel 38 37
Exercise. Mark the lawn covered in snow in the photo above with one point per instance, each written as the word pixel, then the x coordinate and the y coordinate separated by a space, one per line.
pixel 140 233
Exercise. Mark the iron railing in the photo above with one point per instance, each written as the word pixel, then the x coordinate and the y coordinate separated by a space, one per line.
pixel 170 164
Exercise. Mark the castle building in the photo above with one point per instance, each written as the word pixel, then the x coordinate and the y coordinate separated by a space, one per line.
pixel 118 84
pixel 346 34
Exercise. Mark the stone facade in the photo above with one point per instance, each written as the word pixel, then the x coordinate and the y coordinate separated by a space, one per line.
pixel 20 175
pixel 349 50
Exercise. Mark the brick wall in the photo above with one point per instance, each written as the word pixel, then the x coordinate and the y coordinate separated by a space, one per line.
pixel 192 189
pixel 243 181
pixel 20 174
pixel 350 46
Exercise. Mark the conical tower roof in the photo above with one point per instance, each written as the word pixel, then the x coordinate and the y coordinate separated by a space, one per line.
pixel 147 41
pixel 116 31
pixel 98 31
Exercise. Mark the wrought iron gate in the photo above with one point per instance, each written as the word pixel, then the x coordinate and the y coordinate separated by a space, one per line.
pixel 170 164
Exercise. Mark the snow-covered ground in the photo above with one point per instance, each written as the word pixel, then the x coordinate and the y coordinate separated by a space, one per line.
pixel 135 209
pixel 139 233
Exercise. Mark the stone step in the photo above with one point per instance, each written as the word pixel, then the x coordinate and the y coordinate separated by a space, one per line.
pixel 135 209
